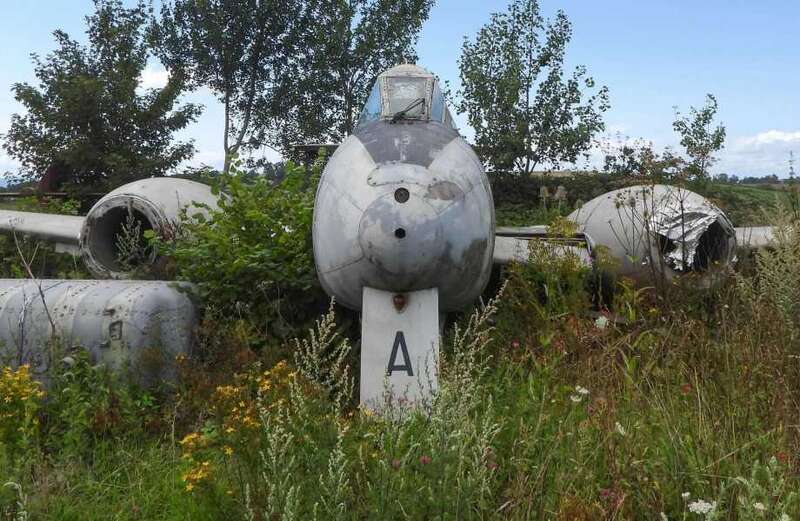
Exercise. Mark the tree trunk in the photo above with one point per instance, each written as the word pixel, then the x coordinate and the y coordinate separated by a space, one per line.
pixel 225 147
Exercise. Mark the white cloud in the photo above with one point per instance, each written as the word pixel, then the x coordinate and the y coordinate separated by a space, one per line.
pixel 153 77
pixel 207 157
pixel 770 137
pixel 7 163
pixel 761 154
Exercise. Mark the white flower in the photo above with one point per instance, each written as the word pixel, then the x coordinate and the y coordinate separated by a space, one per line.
pixel 759 506
pixel 785 517
pixel 686 496
pixel 575 398
pixel 702 506
pixel 581 390
pixel 601 322
pixel 620 429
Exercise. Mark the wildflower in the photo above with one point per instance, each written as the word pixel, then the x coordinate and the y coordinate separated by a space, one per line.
pixel 229 492
pixel 782 457
pixel 230 430
pixel 686 496
pixel 605 493
pixel 620 429
pixel 492 465
pixel 190 440
pixel 686 389
pixel 581 390
pixel 575 398
pixel 189 487
pixel 759 506
pixel 395 464
pixel 515 344
pixel 227 450
pixel 785 517
pixel 702 506
pixel 424 460
pixel 601 322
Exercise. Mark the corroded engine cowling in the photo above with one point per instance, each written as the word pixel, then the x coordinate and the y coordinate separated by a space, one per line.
pixel 153 204
pixel 666 229
pixel 135 326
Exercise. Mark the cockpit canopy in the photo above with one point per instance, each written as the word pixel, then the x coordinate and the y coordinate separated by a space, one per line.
pixel 406 92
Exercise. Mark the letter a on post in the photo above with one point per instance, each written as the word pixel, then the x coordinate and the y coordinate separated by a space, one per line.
pixel 399 347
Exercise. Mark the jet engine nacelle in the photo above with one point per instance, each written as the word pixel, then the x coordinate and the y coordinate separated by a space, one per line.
pixel 150 204
pixel 666 229
pixel 153 204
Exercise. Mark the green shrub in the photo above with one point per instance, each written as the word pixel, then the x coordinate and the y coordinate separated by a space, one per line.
pixel 252 258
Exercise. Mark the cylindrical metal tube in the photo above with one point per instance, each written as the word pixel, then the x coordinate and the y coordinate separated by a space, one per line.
pixel 136 326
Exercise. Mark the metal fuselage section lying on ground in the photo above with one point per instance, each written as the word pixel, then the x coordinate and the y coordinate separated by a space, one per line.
pixel 133 326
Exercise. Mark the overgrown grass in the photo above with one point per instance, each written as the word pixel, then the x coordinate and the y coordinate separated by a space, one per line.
pixel 548 410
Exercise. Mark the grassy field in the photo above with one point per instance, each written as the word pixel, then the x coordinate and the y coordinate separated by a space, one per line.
pixel 746 205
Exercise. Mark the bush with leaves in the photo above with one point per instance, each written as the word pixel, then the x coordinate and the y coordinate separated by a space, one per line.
pixel 252 256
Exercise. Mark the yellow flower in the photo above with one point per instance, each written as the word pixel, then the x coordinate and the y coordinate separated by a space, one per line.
pixel 228 451
pixel 189 487
pixel 230 430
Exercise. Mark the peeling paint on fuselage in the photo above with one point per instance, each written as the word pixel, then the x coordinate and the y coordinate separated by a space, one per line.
pixel 439 233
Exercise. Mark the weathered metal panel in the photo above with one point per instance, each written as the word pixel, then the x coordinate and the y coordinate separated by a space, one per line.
pixel 753 237
pixel 440 235
pixel 140 326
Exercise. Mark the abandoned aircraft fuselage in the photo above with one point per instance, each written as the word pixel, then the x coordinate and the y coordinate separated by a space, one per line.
pixel 404 203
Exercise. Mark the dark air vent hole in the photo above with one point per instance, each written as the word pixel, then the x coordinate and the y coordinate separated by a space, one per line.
pixel 401 195
pixel 400 233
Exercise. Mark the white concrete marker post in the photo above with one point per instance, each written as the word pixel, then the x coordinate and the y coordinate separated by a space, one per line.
pixel 399 346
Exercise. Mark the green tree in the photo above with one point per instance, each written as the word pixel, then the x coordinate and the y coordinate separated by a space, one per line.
pixel 87 115
pixel 346 44
pixel 638 161
pixel 700 137
pixel 236 48
pixel 526 111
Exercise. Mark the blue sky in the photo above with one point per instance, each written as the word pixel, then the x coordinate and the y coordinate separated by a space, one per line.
pixel 652 54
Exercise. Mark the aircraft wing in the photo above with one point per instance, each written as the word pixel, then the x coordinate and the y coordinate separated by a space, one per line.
pixel 511 244
pixel 753 237
pixel 63 230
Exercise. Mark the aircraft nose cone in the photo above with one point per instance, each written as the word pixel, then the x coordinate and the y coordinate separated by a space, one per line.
pixel 401 235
